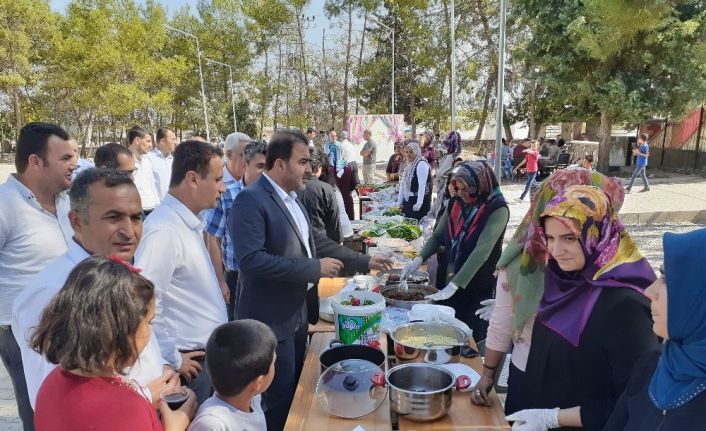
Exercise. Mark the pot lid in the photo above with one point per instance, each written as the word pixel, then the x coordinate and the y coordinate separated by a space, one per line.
pixel 346 389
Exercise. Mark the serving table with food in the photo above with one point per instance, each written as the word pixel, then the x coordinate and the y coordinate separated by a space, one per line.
pixel 379 368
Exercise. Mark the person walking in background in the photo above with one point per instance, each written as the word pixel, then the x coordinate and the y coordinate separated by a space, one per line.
pixel 161 158
pixel 369 153
pixel 34 230
pixel 140 143
pixel 642 153
pixel 426 144
pixel 531 160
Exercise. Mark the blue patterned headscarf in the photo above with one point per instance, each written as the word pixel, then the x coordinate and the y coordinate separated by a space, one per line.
pixel 681 371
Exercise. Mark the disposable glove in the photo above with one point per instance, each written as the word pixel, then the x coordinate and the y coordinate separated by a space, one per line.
pixel 417 206
pixel 411 267
pixel 445 293
pixel 487 310
pixel 535 419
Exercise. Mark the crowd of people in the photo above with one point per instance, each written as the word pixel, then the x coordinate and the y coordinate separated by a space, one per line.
pixel 171 288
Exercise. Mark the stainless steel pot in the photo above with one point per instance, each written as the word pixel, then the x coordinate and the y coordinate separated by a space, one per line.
pixel 420 392
pixel 399 303
pixel 433 353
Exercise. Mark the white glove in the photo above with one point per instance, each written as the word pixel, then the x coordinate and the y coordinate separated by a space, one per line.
pixel 445 293
pixel 417 206
pixel 411 267
pixel 487 310
pixel 340 173
pixel 535 419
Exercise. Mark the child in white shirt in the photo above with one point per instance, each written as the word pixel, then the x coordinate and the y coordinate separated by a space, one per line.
pixel 240 357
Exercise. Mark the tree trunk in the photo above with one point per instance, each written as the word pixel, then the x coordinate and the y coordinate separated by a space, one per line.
pixel 18 110
pixel 329 90
pixel 566 129
pixel 348 62
pixel 605 143
pixel 489 86
pixel 360 61
pixel 508 132
pixel 577 129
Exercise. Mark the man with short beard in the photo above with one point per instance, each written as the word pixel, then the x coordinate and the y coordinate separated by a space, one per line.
pixel 161 159
pixel 34 230
pixel 140 143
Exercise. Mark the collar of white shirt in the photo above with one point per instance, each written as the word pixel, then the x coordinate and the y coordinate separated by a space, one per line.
pixel 158 153
pixel 27 194
pixel 192 221
pixel 280 191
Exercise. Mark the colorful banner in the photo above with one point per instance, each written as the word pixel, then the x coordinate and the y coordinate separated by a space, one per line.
pixel 386 129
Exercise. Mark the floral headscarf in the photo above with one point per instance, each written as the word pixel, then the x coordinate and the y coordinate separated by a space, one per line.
pixel 525 257
pixel 611 255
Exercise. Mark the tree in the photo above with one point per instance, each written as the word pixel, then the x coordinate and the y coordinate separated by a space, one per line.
pixel 26 36
pixel 621 62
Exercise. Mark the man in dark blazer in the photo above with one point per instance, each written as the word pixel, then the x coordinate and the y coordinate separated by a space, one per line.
pixel 281 262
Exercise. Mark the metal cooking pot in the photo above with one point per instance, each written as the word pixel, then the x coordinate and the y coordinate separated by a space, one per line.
pixel 421 288
pixel 338 352
pixel 433 354
pixel 420 392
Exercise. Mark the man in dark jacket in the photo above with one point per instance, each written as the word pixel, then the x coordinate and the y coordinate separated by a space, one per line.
pixel 319 199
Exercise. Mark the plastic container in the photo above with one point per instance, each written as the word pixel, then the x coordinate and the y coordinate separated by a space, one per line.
pixel 358 324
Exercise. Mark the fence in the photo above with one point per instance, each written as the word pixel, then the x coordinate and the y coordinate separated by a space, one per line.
pixel 678 145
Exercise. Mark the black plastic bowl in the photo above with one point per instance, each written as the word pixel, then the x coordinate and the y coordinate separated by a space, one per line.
pixel 338 352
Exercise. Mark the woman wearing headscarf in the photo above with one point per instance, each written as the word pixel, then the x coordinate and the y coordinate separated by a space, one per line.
pixel 414 196
pixel 593 321
pixel 426 144
pixel 667 391
pixel 443 173
pixel 471 230
pixel 393 164
pixel 520 284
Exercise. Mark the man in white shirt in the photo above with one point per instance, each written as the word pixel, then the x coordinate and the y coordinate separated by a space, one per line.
pixel 106 216
pixel 81 162
pixel 140 143
pixel 117 157
pixel 173 256
pixel 34 230
pixel 161 159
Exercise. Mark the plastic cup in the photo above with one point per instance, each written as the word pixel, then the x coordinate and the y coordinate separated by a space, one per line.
pixel 175 397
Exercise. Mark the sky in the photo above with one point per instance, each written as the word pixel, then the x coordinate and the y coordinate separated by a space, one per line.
pixel 315 8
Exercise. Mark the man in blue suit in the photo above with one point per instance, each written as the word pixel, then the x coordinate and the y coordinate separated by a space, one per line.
pixel 281 260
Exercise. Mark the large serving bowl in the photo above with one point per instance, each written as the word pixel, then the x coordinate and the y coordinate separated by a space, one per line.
pixel 394 297
pixel 433 343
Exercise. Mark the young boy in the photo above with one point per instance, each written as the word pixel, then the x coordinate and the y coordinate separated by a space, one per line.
pixel 532 162
pixel 241 362
pixel 642 153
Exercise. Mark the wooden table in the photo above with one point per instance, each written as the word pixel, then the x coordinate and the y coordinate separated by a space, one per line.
pixel 322 326
pixel 306 413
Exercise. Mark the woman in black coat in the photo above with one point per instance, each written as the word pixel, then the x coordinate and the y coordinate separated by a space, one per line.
pixel 667 391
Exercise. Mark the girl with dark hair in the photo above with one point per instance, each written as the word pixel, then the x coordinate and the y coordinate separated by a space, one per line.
pixel 95 328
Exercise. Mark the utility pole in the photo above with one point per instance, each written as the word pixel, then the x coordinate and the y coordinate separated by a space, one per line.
pixel 203 91
pixel 501 91
pixel 392 31
pixel 232 90
pixel 453 66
